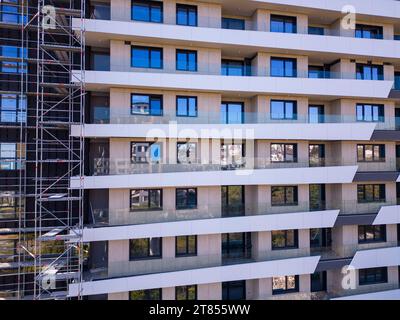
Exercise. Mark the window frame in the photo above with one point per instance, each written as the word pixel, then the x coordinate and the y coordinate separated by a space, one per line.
pixel 187 98
pixel 380 117
pixel 293 60
pixel 186 206
pixel 148 159
pixel 149 208
pixel 283 146
pixel 361 188
pixel 229 251
pixel 225 21
pixel 148 256
pixel 188 252
pixel 286 245
pixel 152 97
pixel 363 230
pixel 149 4
pixel 286 290
pixel 186 293
pixel 187 9
pixel 362 28
pixel 360 71
pixel 284 20
pixel 226 64
pixel 150 50
pixel 146 291
pixel 363 275
pixel 381 150
pixel 285 191
pixel 227 286
pixel 180 143
pixel 285 107
pixel 19 113
pixel 187 53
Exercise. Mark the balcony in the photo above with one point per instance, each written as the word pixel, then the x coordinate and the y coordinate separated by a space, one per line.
pixel 210 34
pixel 245 85
pixel 168 272
pixel 123 224
pixel 209 126
pixel 123 174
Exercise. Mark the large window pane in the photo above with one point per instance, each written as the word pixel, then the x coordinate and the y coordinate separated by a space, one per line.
pixel 186 198
pixel 146 199
pixel 150 294
pixel 145 248
pixel 283 67
pixel 186 15
pixel 149 11
pixel 146 57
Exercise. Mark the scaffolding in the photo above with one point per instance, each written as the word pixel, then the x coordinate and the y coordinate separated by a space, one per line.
pixel 49 253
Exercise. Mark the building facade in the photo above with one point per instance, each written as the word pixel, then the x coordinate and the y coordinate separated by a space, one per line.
pixel 227 150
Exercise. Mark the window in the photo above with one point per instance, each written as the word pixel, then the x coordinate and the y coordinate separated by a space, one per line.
pixel 101 11
pixel 396 37
pixel 316 155
pixel 186 152
pixel 370 112
pixel 146 199
pixel 372 276
pixel 371 193
pixel 185 246
pixel 186 60
pixel 145 152
pixel 100 61
pixel 368 32
pixel 186 292
pixel 10 205
pixel 186 106
pixel 13 52
pixel 8 248
pixel 233 201
pixel 285 284
pixel 11 156
pixel 236 245
pixel 320 238
pixel 232 112
pixel 149 11
pixel 316 30
pixel 283 67
pixel 145 248
pixel 319 281
pixel 317 72
pixel 12 108
pixel 283 110
pixel 283 24
pixel 370 152
pixel 283 152
pixel 231 23
pixel 186 15
pixel 369 72
pixel 285 239
pixel 232 68
pixel 150 294
pixel 147 57
pixel 232 156
pixel 284 196
pixel 374 233
pixel 142 104
pixel 234 290
pixel 10 13
pixel 186 198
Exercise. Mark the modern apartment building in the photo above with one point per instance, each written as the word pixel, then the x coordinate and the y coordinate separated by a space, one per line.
pixel 210 150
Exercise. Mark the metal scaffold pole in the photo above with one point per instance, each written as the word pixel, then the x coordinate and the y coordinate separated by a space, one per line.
pixel 43 72
pixel 59 156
